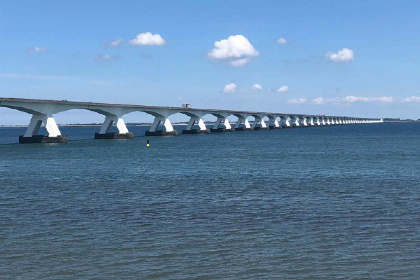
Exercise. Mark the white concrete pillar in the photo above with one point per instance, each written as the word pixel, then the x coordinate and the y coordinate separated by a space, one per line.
pixel 294 121
pixel 304 121
pixel 49 123
pixel 223 120
pixel 161 119
pixel 113 120
pixel 328 121
pixel 311 121
pixel 284 122
pixel 193 121
pixel 273 121
pixel 242 120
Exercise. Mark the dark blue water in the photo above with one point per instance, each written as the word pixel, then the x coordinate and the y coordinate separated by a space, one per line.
pixel 338 202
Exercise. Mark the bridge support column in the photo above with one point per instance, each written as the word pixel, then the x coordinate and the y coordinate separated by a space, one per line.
pixel 54 134
pixel 259 120
pixel 225 122
pixel 284 122
pixel 169 130
pixel 311 121
pixel 242 120
pixel 123 132
pixel 328 121
pixel 303 121
pixel 273 123
pixel 190 126
pixel 294 122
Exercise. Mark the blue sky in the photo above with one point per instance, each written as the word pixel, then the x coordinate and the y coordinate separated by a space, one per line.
pixel 355 58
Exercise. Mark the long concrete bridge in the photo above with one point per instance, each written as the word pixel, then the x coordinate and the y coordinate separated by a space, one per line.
pixel 43 112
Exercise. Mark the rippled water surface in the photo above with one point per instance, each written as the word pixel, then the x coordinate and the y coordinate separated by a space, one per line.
pixel 338 202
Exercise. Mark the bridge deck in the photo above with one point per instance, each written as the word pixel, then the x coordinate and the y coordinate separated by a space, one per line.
pixel 145 107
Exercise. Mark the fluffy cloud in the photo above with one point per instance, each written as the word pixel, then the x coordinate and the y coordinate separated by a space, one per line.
pixel 257 87
pixel 410 99
pixel 235 50
pixel 322 101
pixel 353 99
pixel 282 41
pixel 319 101
pixel 297 101
pixel 37 50
pixel 345 55
pixel 116 42
pixel 148 39
pixel 106 57
pixel 229 88
pixel 283 89
pixel 384 99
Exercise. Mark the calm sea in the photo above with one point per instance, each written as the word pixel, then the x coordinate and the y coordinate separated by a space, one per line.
pixel 338 202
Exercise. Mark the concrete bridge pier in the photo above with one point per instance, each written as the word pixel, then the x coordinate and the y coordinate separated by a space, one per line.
pixel 294 121
pixel 190 126
pixel 259 122
pixel 285 122
pixel 311 121
pixel 273 122
pixel 154 129
pixel 299 121
pixel 328 121
pixel 242 119
pixel 54 134
pixel 110 120
pixel 222 120
pixel 303 121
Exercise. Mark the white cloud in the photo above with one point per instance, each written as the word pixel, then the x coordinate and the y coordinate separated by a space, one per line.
pixel 383 99
pixel 116 42
pixel 297 101
pixel 318 101
pixel 322 101
pixel 106 57
pixel 37 50
pixel 283 89
pixel 257 87
pixel 282 41
pixel 229 88
pixel 235 50
pixel 148 39
pixel 345 55
pixel 410 99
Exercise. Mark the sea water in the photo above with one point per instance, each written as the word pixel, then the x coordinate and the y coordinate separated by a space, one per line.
pixel 336 202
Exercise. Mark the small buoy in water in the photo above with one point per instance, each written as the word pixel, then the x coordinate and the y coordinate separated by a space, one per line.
pixel 147 143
